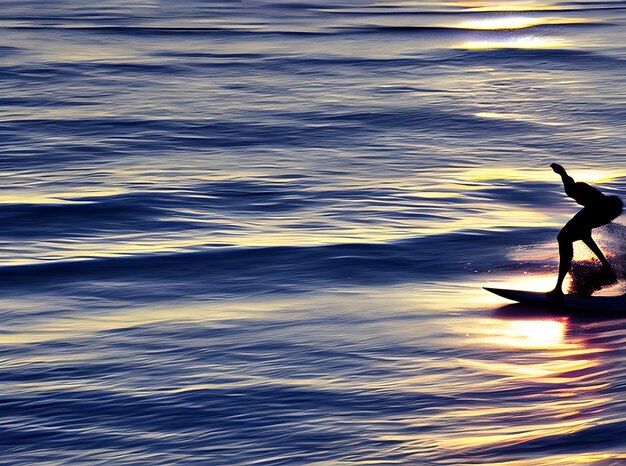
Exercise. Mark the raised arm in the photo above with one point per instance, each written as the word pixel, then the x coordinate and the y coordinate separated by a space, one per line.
pixel 581 192
pixel 568 182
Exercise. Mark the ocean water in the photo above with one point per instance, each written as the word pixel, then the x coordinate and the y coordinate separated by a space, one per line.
pixel 255 232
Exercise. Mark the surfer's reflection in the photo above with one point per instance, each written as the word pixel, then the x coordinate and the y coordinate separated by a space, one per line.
pixel 598 210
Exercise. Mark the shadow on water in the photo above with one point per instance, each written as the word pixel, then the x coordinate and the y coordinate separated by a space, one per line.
pixel 523 312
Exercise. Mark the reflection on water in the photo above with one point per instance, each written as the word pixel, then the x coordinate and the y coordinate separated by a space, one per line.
pixel 516 22
pixel 512 174
pixel 423 373
pixel 531 334
pixel 520 42
pixel 553 375
pixel 511 5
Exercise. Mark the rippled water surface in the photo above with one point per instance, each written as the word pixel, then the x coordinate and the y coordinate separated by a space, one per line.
pixel 256 232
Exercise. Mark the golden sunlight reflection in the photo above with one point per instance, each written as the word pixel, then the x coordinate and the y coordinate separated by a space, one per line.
pixel 519 117
pixel 540 350
pixel 520 174
pixel 515 22
pixel 489 437
pixel 585 459
pixel 513 5
pixel 526 42
pixel 20 196
pixel 59 326
pixel 530 282
pixel 531 334
pixel 592 176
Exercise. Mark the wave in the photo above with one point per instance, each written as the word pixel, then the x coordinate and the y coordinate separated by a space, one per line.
pixel 199 63
pixel 6 50
pixel 217 205
pixel 617 4
pixel 37 73
pixel 159 134
pixel 211 55
pixel 282 269
pixel 567 59
pixel 258 412
pixel 322 31
pixel 86 219
pixel 334 129
pixel 390 10
pixel 468 31
pixel 150 211
pixel 609 435
pixel 233 207
pixel 427 119
pixel 43 101
pixel 167 31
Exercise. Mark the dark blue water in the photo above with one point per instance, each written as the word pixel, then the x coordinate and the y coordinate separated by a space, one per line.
pixel 256 232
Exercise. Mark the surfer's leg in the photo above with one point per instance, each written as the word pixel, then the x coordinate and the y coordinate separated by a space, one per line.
pixel 577 228
pixel 566 254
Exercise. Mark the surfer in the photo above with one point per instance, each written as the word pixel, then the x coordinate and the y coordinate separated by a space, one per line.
pixel 598 210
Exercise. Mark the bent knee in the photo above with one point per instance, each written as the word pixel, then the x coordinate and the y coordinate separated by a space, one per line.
pixel 569 234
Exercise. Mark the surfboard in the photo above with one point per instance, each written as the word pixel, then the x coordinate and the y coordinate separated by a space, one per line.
pixel 570 303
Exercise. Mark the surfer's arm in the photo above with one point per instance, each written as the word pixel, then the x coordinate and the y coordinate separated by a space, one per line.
pixel 571 188
pixel 568 182
pixel 582 193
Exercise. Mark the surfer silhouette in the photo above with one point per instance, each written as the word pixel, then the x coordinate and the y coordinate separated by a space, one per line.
pixel 598 210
